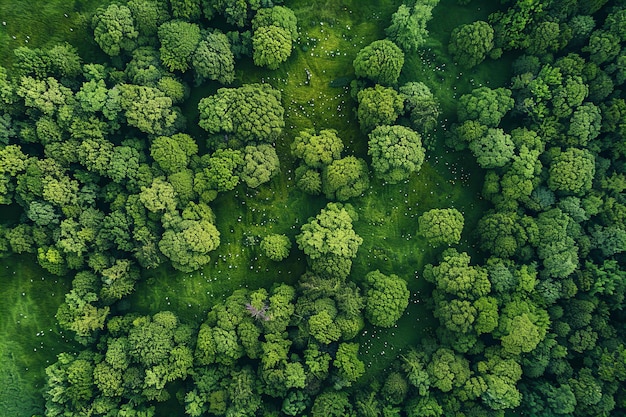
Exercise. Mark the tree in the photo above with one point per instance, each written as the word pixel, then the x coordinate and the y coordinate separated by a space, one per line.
pixel 470 43
pixel 493 149
pixel 502 233
pixel 46 95
pixel 179 41
pixel 186 9
pixel 220 171
pixel 396 152
pixel 330 232
pixel 485 105
pixel 159 197
pixel 456 277
pixel 317 150
pixel 387 297
pixel 64 60
pixel 448 370
pixel 148 109
pixel 421 105
pixel 189 243
pixel 271 46
pixel 441 226
pixel 603 46
pixel 260 164
pixel 331 404
pixel 378 106
pixel 173 153
pixel 252 112
pixel 572 171
pixel 148 15
pixel 349 367
pixel 584 125
pixel 380 61
pixel 213 59
pixel 114 29
pixel 345 178
pixel 275 246
pixel 279 16
pixel 408 26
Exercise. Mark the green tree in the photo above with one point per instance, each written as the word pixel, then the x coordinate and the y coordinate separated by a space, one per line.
pixel 349 367
pixel 572 171
pixel 378 106
pixel 329 237
pixel 186 9
pixel 485 105
pixel 148 15
pixel 470 43
pixel 380 61
pixel 441 226
pixel 252 112
pixel 275 246
pixel 494 149
pixel 220 171
pixel 317 150
pixel 455 276
pixel 148 109
pixel 408 26
pixel 345 178
pixel 46 96
pixel 396 152
pixel 603 46
pixel 422 106
pixel 114 29
pixel 278 16
pixel 387 297
pixel 188 244
pixel 584 125
pixel 173 153
pixel 260 164
pixel 179 41
pixel 448 370
pixel 271 46
pixel 213 59
pixel 331 404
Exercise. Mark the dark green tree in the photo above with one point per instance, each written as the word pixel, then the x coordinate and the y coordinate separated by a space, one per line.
pixel 380 61
pixel 470 43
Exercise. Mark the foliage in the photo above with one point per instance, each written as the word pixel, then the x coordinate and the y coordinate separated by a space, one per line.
pixel 378 106
pixel 441 226
pixel 252 112
pixel 386 298
pixel 396 152
pixel 380 61
pixel 317 150
pixel 470 43
pixel 276 247
pixel 114 29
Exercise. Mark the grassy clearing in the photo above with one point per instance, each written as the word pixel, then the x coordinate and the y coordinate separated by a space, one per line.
pixel 40 24
pixel 332 31
pixel 29 336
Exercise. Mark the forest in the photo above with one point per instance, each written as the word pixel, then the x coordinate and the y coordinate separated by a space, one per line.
pixel 316 208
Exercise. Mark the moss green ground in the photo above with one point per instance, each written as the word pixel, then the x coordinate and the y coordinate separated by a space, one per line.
pixel 332 32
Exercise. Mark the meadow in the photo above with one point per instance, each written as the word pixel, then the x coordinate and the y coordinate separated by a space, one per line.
pixel 314 96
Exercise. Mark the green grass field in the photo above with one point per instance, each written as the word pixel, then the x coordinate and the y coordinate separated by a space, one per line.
pixel 332 31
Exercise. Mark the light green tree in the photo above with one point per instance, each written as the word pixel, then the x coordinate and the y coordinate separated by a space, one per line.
pixel 441 226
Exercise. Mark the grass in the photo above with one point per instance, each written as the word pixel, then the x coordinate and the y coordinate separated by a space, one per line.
pixel 332 31
pixel 29 336
pixel 43 23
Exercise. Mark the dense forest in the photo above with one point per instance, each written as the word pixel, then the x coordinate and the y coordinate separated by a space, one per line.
pixel 313 208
